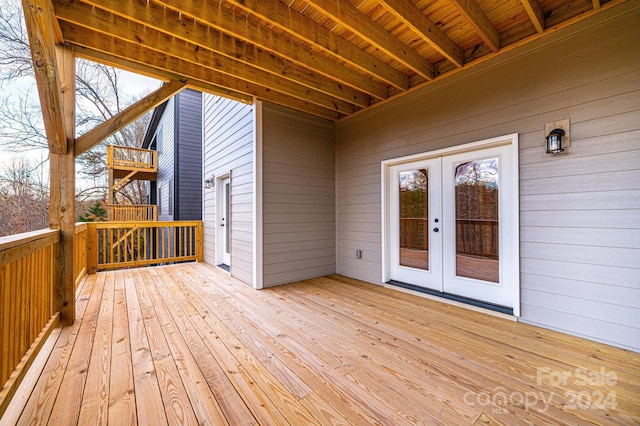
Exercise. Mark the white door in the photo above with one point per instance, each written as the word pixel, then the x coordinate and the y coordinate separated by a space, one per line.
pixel 225 221
pixel 453 224
pixel 415 236
pixel 480 208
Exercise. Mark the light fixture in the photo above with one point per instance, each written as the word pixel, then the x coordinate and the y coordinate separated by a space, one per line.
pixel 208 183
pixel 554 141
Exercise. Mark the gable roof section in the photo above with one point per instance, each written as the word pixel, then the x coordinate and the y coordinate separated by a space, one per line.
pixel 156 116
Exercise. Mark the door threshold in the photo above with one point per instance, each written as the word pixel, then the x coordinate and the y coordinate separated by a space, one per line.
pixel 453 297
pixel 224 267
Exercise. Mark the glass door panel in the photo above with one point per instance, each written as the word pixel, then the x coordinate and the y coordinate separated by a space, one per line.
pixel 413 202
pixel 476 212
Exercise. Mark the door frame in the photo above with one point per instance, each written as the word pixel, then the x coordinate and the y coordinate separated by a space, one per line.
pixel 513 228
pixel 219 185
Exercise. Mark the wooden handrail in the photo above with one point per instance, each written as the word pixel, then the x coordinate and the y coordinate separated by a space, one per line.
pixel 132 213
pixel 129 157
pixel 114 245
pixel 26 304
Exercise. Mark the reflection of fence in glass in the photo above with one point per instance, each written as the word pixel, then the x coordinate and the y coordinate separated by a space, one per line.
pixel 125 244
pixel 413 233
pixel 477 220
pixel 476 201
pixel 414 209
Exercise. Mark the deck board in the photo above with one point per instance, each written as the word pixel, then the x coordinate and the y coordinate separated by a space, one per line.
pixel 188 344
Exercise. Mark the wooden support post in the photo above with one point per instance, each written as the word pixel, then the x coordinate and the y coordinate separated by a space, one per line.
pixel 62 210
pixel 54 67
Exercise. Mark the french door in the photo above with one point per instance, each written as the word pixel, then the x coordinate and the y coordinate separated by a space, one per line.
pixel 452 224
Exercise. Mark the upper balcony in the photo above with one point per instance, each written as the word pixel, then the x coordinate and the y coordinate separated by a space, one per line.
pixel 132 163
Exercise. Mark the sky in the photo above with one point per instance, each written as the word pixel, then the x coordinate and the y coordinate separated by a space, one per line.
pixel 131 84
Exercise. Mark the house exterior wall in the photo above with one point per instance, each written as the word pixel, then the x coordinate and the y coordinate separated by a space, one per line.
pixel 188 160
pixel 228 134
pixel 298 196
pixel 579 211
pixel 166 164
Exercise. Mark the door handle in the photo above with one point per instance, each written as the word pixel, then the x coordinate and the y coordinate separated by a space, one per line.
pixel 435 229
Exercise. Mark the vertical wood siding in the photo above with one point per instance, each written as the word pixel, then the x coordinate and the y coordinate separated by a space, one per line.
pixel 579 211
pixel 298 196
pixel 228 148
pixel 166 159
pixel 188 176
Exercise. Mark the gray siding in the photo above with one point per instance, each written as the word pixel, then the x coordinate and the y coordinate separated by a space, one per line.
pixel 298 196
pixel 166 164
pixel 579 211
pixel 188 175
pixel 228 148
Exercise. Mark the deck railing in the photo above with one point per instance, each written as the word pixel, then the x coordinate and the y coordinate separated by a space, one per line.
pixel 26 304
pixel 80 249
pixel 135 158
pixel 131 213
pixel 130 244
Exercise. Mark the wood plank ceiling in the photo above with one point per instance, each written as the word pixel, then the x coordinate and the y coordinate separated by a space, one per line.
pixel 330 58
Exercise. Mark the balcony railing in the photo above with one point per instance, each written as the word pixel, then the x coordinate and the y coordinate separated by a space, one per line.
pixel 131 213
pixel 131 158
pixel 26 303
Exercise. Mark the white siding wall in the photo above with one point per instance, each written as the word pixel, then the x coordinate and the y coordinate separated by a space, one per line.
pixel 228 148
pixel 165 159
pixel 580 211
pixel 298 196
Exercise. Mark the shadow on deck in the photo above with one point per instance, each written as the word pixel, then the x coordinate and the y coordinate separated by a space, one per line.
pixel 187 344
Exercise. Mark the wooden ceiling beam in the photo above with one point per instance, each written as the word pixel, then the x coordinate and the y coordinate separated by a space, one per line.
pixel 127 116
pixel 478 19
pixel 158 73
pixel 181 26
pixel 224 20
pixel 536 14
pixel 39 21
pixel 167 45
pixel 155 63
pixel 298 25
pixel 414 18
pixel 347 15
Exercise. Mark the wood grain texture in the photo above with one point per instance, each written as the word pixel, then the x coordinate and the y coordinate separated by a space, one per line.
pixel 333 350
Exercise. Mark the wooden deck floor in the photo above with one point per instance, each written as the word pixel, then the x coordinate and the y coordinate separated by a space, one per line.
pixel 187 344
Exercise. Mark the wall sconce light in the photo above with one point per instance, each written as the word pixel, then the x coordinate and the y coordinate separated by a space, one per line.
pixel 558 136
pixel 554 141
pixel 208 183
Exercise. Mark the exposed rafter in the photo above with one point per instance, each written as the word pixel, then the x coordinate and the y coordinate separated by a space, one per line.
pixel 477 18
pixel 421 25
pixel 130 53
pixel 251 64
pixel 127 116
pixel 319 37
pixel 330 58
pixel 222 19
pixel 536 14
pixel 345 14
